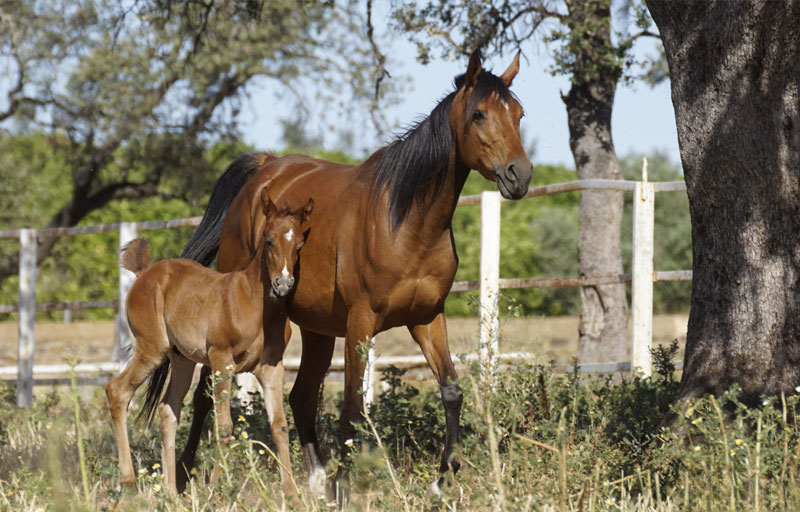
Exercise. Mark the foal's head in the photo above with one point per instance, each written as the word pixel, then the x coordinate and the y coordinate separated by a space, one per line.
pixel 485 120
pixel 283 238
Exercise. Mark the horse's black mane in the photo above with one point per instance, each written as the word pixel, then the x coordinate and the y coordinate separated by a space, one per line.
pixel 412 166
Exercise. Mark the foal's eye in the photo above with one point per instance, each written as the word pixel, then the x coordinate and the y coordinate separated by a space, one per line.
pixel 477 116
pixel 269 242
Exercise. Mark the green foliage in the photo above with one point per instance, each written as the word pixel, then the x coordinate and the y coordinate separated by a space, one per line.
pixel 84 268
pixel 579 34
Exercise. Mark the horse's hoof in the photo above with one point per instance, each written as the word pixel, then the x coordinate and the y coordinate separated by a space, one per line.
pixel 317 483
pixel 435 488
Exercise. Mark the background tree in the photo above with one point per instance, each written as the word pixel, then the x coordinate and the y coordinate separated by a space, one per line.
pixel 130 99
pixel 735 76
pixel 584 50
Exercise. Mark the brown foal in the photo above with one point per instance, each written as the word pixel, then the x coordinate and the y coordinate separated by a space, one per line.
pixel 180 310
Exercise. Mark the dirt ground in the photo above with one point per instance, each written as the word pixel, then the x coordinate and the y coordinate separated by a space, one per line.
pixel 552 338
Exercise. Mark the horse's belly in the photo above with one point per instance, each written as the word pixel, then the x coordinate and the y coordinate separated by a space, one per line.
pixel 414 302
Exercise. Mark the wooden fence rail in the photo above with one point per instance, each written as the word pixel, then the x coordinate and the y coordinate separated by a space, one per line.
pixel 489 284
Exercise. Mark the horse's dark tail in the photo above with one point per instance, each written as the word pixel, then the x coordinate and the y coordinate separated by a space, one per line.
pixel 202 247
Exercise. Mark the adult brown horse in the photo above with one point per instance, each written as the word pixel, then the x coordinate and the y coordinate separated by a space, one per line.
pixel 379 251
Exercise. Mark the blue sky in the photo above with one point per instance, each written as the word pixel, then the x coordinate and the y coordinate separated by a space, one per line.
pixel 643 119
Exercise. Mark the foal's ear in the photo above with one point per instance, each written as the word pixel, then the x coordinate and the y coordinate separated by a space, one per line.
pixel 473 69
pixel 307 210
pixel 508 75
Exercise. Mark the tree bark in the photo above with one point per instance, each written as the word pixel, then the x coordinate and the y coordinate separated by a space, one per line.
pixel 595 71
pixel 735 79
pixel 604 309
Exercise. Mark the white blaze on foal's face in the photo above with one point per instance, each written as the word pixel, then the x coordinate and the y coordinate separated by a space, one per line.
pixel 289 235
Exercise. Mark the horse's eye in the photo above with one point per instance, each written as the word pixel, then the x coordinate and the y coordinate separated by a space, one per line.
pixel 269 242
pixel 477 116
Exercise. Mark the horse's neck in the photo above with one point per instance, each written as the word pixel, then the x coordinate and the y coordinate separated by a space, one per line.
pixel 436 214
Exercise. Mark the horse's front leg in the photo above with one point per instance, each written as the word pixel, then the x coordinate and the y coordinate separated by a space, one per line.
pixel 432 339
pixel 270 374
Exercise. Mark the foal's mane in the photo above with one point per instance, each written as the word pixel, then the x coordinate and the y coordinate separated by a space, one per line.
pixel 413 166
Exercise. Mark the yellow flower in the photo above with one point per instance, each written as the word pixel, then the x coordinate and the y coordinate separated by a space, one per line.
pixel 142 471
pixel 689 412
pixel 241 419
pixel 739 442
pixel 154 475
pixel 156 487
pixel 697 421
pixel 156 465
pixel 261 452
pixel 244 435
pixel 217 373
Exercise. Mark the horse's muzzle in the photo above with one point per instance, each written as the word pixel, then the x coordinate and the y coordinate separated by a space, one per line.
pixel 282 285
pixel 513 180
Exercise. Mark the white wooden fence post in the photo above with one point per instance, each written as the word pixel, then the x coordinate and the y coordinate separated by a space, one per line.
pixel 27 316
pixel 122 338
pixel 489 276
pixel 642 285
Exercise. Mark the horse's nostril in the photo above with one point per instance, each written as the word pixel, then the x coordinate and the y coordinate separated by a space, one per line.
pixel 511 173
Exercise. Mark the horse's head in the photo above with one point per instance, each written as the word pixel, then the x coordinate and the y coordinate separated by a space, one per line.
pixel 485 119
pixel 283 238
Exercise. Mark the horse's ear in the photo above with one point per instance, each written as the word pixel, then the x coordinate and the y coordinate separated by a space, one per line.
pixel 307 210
pixel 508 75
pixel 266 202
pixel 473 69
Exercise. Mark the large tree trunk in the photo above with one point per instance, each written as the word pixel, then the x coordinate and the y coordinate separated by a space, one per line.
pixel 735 77
pixel 604 309
pixel 595 72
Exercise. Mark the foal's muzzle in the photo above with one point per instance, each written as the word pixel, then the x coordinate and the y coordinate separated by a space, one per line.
pixel 513 180
pixel 282 285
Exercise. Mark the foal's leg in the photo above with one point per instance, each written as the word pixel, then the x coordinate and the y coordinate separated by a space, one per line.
pixel 201 405
pixel 304 398
pixel 222 365
pixel 119 392
pixel 432 339
pixel 270 375
pixel 169 410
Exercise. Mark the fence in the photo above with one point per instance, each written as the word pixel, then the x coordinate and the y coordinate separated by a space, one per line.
pixel 489 286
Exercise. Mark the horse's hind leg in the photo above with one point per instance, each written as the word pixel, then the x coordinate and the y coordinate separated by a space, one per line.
pixel 304 398
pixel 432 339
pixel 119 392
pixel 201 405
pixel 169 410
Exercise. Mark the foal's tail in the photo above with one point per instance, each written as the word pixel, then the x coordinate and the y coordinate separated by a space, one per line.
pixel 202 247
pixel 135 256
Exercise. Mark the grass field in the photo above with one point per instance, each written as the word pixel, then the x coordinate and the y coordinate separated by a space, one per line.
pixel 534 441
